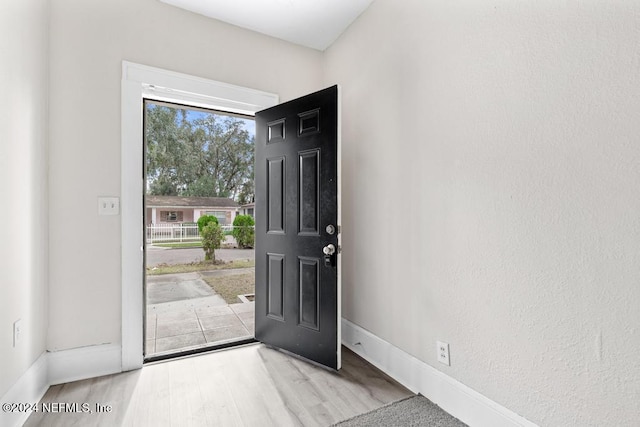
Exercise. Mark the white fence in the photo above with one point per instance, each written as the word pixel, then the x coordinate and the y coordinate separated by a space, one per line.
pixel 177 232
pixel 172 232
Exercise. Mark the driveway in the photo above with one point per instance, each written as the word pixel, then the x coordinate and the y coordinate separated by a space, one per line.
pixel 156 256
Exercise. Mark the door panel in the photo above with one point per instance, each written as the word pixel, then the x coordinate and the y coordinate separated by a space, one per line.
pixel 309 186
pixel 275 286
pixel 297 285
pixel 275 196
pixel 309 292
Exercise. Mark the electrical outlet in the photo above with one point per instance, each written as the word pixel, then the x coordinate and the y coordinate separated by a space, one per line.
pixel 443 353
pixel 17 332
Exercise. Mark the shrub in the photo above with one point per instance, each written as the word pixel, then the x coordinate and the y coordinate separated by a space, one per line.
pixel 204 220
pixel 212 238
pixel 243 231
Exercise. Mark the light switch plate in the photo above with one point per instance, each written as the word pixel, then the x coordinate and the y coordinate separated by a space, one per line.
pixel 17 332
pixel 108 206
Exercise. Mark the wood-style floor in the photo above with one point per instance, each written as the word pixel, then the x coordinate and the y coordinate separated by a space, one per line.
pixel 245 386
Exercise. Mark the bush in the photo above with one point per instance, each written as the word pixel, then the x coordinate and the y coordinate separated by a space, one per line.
pixel 204 220
pixel 212 238
pixel 243 231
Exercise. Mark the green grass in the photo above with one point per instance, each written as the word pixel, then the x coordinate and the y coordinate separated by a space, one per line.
pixel 199 266
pixel 229 287
pixel 197 244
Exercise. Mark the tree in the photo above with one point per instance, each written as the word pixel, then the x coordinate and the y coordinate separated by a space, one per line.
pixel 247 191
pixel 163 150
pixel 212 238
pixel 227 162
pixel 243 231
pixel 210 156
pixel 205 220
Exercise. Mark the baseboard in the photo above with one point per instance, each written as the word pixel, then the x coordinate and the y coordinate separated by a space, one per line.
pixel 462 402
pixel 84 362
pixel 454 397
pixel 29 389
pixel 59 367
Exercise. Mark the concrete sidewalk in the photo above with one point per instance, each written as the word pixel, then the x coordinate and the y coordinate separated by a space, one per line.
pixel 158 255
pixel 184 312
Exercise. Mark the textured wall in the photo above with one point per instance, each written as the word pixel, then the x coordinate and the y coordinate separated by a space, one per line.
pixel 89 40
pixel 508 132
pixel 23 185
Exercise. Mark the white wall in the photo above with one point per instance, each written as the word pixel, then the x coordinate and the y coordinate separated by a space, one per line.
pixel 89 40
pixel 510 131
pixel 23 188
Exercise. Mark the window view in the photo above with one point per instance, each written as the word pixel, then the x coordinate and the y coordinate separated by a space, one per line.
pixel 199 228
pixel 172 216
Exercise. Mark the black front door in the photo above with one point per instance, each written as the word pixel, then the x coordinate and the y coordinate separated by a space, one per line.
pixel 297 278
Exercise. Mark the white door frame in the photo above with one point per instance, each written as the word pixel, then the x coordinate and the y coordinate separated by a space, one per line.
pixel 138 82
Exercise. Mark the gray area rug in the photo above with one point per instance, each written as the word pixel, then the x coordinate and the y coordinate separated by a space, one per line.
pixel 412 411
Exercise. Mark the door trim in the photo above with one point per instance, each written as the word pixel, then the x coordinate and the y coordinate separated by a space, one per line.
pixel 339 223
pixel 140 81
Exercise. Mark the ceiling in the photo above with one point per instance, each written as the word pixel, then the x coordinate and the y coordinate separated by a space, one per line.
pixel 312 23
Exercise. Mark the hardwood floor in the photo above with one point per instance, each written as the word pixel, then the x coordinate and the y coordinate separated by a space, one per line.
pixel 244 386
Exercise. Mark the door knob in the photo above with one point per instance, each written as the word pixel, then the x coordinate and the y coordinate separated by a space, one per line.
pixel 329 249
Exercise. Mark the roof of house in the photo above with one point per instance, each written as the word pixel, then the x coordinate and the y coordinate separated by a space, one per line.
pixel 190 202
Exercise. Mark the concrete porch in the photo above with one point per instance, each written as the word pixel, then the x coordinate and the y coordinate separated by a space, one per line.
pixel 183 313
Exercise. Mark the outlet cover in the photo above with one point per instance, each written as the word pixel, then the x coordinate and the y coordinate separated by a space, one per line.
pixel 443 353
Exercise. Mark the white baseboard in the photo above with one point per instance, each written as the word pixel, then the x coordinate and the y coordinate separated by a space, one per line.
pixel 462 402
pixel 57 368
pixel 29 389
pixel 84 362
pixel 454 397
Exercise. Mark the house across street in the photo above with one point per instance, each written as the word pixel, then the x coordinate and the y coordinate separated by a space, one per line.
pixel 177 209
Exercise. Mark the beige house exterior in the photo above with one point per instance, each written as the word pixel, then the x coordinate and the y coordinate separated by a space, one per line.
pixel 248 209
pixel 177 209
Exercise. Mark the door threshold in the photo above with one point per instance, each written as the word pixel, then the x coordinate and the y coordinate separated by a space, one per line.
pixel 195 351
